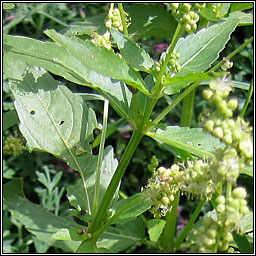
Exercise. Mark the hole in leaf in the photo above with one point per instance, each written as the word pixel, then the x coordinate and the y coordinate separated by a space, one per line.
pixel 32 112
pixel 61 122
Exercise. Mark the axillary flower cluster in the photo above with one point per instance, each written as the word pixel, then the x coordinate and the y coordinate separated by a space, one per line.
pixel 202 178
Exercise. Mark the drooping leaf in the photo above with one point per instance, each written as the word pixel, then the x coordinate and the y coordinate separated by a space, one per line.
pixel 99 59
pixel 76 193
pixel 36 219
pixel 150 19
pixel 192 140
pixel 198 51
pixel 176 83
pixel 135 210
pixel 132 52
pixel 155 228
pixel 123 236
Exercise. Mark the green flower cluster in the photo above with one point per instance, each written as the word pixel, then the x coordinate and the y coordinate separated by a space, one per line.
pixel 214 232
pixel 162 187
pixel 114 19
pixel 13 145
pixel 235 133
pixel 194 181
pixel 187 14
pixel 173 65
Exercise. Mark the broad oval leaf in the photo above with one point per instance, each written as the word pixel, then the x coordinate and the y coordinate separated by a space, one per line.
pixel 155 228
pixel 192 140
pixel 50 115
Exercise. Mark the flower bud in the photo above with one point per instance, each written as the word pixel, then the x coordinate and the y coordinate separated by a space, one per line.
pixel 218 132
pixel 220 200
pixel 207 93
pixel 232 104
pixel 239 192
pixel 209 125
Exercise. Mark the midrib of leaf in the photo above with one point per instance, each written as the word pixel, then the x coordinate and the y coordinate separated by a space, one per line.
pixel 203 48
pixel 61 63
pixel 64 142
pixel 182 145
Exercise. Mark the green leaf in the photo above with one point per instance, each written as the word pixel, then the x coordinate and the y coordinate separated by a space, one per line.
pixel 76 194
pixel 176 83
pixel 51 116
pixel 155 228
pixel 246 223
pixel 241 85
pixel 198 51
pixel 241 6
pixel 242 242
pixel 36 219
pixel 123 236
pixel 99 59
pixel 10 119
pixel 135 210
pixel 192 140
pixel 244 18
pixel 149 19
pixel 248 170
pixel 22 50
pixel 133 54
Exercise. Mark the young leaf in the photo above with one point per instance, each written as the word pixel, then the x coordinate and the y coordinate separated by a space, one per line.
pixel 155 228
pixel 133 54
pixel 70 234
pixel 198 51
pixel 192 140
pixel 100 60
pixel 36 219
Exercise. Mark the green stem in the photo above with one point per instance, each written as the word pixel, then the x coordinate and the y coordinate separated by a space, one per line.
pixel 129 151
pixel 174 103
pixel 187 109
pixel 100 157
pixel 158 86
pixel 122 14
pixel 167 238
pixel 191 221
pixel 112 219
pixel 247 100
